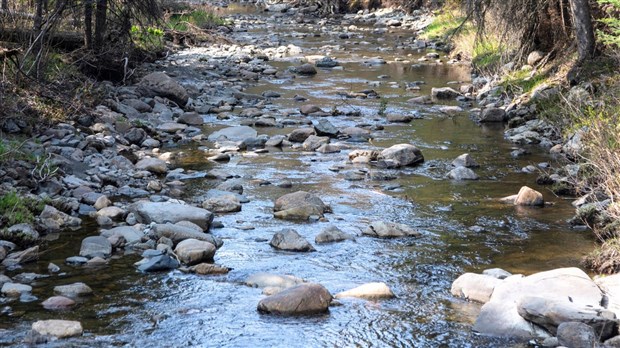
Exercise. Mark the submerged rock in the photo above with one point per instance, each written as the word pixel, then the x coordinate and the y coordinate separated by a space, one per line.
pixel 303 299
pixel 384 229
pixel 73 290
pixel 462 173
pixel 263 280
pixel 370 291
pixel 57 328
pixel 58 303
pixel 475 287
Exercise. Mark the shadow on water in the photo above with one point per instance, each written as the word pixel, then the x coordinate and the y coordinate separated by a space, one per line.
pixel 464 229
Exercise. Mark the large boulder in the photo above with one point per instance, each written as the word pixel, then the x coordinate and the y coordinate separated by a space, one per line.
pixel 400 155
pixel 576 335
pixel 611 287
pixel 475 287
pixel 300 135
pixel 500 316
pixel 96 246
pixel 325 128
pixel 370 291
pixel 290 240
pixel 158 84
pixel 57 328
pixel 550 313
pixel 299 205
pixel 529 196
pixel 308 298
pixel 384 229
pixel 193 251
pixel 178 233
pixel 162 212
pixel 489 115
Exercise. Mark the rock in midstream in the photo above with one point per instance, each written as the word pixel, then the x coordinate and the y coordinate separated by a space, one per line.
pixel 303 299
pixel 162 212
pixel 332 234
pixel 299 205
pixel 179 233
pixel 57 328
pixel 193 251
pixel 400 155
pixel 263 280
pixel 369 291
pixel 384 229
pixel 290 240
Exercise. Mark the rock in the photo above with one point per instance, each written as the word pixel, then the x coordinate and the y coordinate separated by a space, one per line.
pixel 193 251
pixel 76 260
pixel 58 303
pixel 313 142
pixel 290 240
pixel 264 280
pixel 238 133
pixel 114 213
pixel 534 57
pixel 191 119
pixel 178 233
pixel 610 285
pixel 57 328
pixel 613 342
pixel 576 335
pixel 28 255
pixel 153 165
pixel 309 109
pixel 209 268
pixel 497 273
pixel 399 118
pixel 492 115
pixel 73 290
pixel 161 212
pixel 369 291
pixel 130 234
pixel 15 289
pixel 500 316
pixel 305 69
pixel 302 299
pixel 57 218
pixel 158 84
pixel 299 205
pixel 390 230
pixel 4 279
pixel 169 127
pixel 325 128
pixel 444 93
pixel 326 62
pixel 102 202
pixel 23 235
pixel 363 156
pixel 227 203
pixel 465 160
pixel 528 196
pixel 96 246
pixel 400 155
pixel 300 135
pixel 475 287
pixel 356 134
pixel 550 313
pixel 332 234
pixel 135 136
pixel 158 263
pixel 462 173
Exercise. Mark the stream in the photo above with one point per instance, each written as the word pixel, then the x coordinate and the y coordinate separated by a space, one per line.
pixel 464 226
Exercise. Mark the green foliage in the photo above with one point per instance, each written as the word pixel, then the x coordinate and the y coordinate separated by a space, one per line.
pixel 382 107
pixel 200 18
pixel 15 209
pixel 487 53
pixel 521 81
pixel 149 38
pixel 12 150
pixel 443 25
pixel 610 36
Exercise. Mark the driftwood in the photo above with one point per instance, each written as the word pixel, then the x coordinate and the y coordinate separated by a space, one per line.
pixel 67 41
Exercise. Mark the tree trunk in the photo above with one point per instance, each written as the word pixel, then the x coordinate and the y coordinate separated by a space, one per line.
pixel 101 14
pixel 88 24
pixel 584 32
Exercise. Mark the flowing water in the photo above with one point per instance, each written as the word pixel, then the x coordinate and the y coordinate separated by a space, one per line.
pixel 464 227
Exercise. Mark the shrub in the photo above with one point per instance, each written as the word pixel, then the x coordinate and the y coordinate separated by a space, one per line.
pixel 15 209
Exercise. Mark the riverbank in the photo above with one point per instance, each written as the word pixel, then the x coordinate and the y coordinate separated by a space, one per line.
pixel 213 146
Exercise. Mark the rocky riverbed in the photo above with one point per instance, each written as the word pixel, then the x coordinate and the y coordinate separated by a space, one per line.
pixel 316 182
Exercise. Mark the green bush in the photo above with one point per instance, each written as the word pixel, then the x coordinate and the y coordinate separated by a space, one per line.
pixel 610 35
pixel 201 19
pixel 15 209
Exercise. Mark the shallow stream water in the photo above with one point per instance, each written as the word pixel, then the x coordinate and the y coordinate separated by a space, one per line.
pixel 464 226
